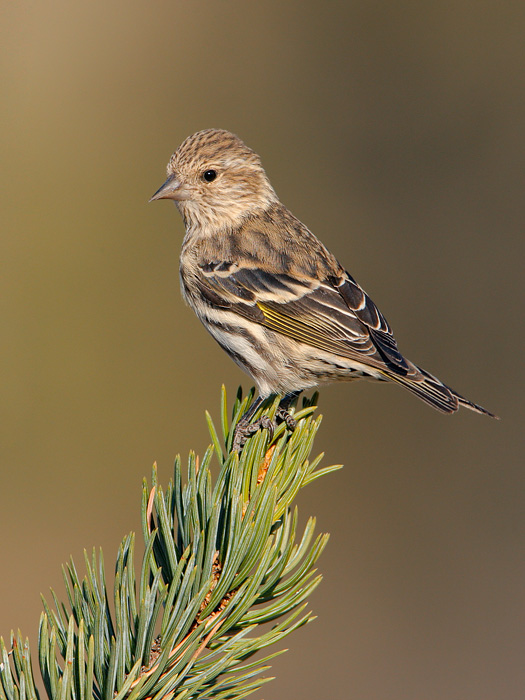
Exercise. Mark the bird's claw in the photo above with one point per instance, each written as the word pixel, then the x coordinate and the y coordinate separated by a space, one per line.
pixel 283 416
pixel 245 429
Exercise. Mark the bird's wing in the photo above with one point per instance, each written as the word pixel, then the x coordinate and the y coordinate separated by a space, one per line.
pixel 334 314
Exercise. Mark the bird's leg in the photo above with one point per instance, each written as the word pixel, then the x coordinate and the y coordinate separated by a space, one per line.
pixel 282 415
pixel 244 428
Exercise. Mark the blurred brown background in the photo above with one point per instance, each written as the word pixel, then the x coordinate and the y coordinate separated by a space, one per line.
pixel 396 131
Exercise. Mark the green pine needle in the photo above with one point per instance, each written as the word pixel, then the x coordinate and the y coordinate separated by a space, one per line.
pixel 221 559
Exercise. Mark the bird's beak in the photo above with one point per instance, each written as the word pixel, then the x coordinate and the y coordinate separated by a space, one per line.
pixel 171 189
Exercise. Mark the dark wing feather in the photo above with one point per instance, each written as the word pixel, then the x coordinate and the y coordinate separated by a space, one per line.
pixel 372 319
pixel 334 315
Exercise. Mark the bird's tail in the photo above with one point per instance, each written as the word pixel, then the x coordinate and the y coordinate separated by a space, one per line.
pixel 435 393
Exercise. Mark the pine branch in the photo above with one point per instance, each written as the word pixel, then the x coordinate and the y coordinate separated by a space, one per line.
pixel 221 560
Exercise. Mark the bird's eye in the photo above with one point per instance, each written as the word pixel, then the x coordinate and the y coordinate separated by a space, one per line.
pixel 209 175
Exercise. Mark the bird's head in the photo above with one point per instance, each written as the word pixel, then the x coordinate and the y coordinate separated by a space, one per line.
pixel 216 181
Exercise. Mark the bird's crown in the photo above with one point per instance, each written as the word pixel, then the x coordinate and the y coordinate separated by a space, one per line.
pixel 213 145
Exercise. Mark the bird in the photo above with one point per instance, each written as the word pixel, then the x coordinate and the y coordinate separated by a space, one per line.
pixel 270 293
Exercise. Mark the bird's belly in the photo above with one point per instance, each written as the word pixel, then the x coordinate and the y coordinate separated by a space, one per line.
pixel 278 364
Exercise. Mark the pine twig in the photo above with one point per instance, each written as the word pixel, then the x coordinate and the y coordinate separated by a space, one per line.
pixel 220 561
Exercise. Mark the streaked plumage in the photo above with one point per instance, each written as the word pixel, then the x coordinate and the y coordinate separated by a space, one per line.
pixel 268 290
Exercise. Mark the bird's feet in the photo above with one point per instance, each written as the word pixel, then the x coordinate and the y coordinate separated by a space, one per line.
pixel 283 416
pixel 245 429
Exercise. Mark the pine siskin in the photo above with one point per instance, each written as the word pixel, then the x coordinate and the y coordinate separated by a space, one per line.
pixel 269 291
